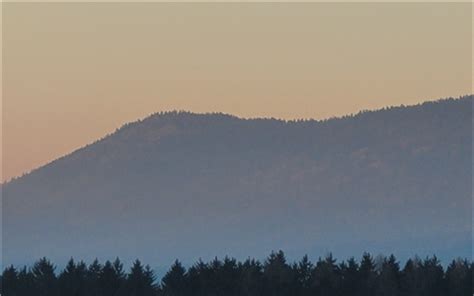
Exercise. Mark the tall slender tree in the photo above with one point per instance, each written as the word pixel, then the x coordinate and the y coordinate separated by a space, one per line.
pixel 111 279
pixel 367 276
pixel 174 283
pixel 10 283
pixel 389 278
pixel 44 278
pixel 349 277
pixel 277 275
pixel 326 277
pixel 72 281
pixel 303 276
pixel 141 281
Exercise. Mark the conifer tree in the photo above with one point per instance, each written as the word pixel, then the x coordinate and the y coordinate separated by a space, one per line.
pixel 326 277
pixel 367 276
pixel 251 277
pixel 277 275
pixel 389 278
pixel 349 277
pixel 410 281
pixel 303 276
pixel 93 273
pixel 432 280
pixel 111 278
pixel 26 282
pixel 174 283
pixel 44 278
pixel 228 278
pixel 140 281
pixel 72 281
pixel 10 283
pixel 458 278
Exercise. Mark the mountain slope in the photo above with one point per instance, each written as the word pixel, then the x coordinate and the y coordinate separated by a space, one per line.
pixel 191 185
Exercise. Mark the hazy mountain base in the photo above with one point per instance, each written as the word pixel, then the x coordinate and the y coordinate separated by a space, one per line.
pixel 187 185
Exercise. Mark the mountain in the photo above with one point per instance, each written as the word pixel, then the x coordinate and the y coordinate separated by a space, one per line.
pixel 189 186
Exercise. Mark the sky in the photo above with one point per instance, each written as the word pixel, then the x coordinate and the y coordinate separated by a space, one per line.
pixel 73 72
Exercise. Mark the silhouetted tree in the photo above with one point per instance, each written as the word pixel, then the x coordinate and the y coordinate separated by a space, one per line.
pixel 26 282
pixel 411 277
pixel 251 278
pixel 10 283
pixel 349 277
pixel 326 277
pixel 200 278
pixel 174 283
pixel 141 281
pixel 432 280
pixel 44 278
pixel 303 276
pixel 72 281
pixel 111 278
pixel 458 278
pixel 228 276
pixel 277 275
pixel 367 276
pixel 389 278
pixel 93 274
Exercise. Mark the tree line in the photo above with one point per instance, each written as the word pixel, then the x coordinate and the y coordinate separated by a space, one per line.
pixel 275 276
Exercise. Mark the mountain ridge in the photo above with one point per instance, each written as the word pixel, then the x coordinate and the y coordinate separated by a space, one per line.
pixel 243 186
pixel 235 117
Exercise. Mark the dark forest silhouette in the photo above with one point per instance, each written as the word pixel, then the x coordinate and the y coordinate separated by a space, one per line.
pixel 380 276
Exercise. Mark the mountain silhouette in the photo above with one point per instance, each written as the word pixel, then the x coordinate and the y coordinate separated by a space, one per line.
pixel 189 186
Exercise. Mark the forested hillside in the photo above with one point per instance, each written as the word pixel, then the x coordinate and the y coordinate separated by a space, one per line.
pixel 192 186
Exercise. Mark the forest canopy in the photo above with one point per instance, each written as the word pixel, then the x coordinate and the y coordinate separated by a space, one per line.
pixel 275 276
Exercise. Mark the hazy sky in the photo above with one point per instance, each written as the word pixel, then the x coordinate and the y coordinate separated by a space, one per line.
pixel 74 72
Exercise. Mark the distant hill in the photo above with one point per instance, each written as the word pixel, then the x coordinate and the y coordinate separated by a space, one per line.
pixel 184 185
